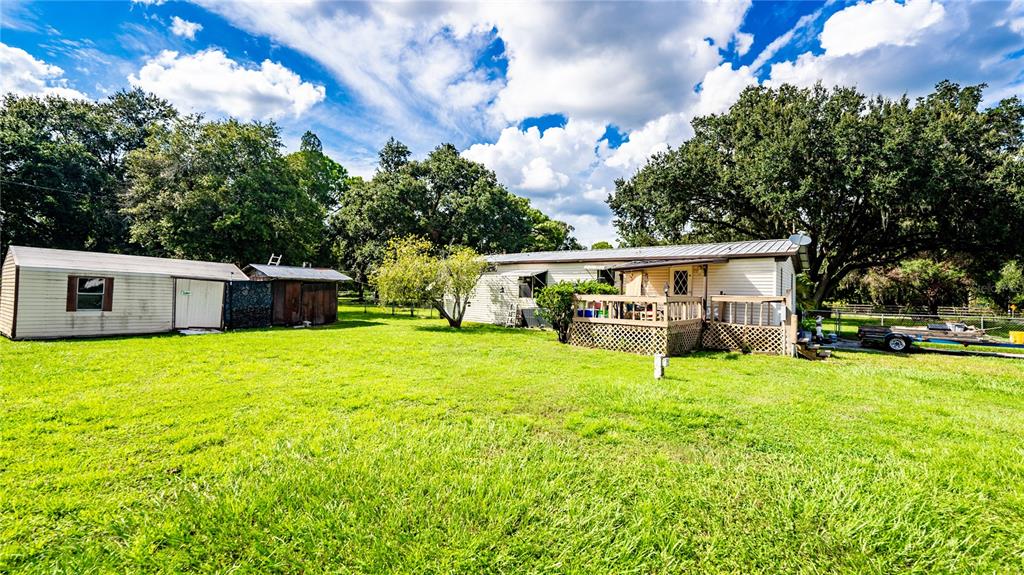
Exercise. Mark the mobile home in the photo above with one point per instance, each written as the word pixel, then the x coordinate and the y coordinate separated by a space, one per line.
pixel 48 293
pixel 741 283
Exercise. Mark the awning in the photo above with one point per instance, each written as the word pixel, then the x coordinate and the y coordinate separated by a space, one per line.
pixel 595 268
pixel 522 273
pixel 664 263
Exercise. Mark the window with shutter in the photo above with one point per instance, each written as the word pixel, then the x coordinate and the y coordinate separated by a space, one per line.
pixel 90 293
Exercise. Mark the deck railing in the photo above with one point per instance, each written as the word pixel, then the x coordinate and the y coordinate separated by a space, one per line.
pixel 637 310
pixel 748 310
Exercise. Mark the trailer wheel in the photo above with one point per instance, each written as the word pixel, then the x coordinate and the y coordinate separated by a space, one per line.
pixel 896 343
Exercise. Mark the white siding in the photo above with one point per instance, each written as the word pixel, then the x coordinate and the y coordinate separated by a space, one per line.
pixel 489 304
pixel 7 296
pixel 787 282
pixel 140 304
pixel 748 276
pixel 741 276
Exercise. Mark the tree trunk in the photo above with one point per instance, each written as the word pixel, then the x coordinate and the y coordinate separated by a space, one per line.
pixel 455 322
pixel 821 292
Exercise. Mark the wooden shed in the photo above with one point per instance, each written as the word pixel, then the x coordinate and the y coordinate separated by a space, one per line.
pixel 300 294
pixel 48 293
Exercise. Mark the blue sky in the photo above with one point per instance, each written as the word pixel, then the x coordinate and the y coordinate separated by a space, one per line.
pixel 558 98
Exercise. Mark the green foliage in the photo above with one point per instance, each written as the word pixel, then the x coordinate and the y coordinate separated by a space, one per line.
pixel 63 169
pixel 384 445
pixel 410 273
pixel 918 282
pixel 555 302
pixel 445 199
pixel 223 191
pixel 602 245
pixel 873 181
pixel 548 235
pixel 1010 285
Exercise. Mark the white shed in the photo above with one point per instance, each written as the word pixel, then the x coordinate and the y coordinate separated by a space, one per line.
pixel 48 293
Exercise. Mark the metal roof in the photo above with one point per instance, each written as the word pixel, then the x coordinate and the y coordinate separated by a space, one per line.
pixel 755 248
pixel 673 262
pixel 299 273
pixel 97 262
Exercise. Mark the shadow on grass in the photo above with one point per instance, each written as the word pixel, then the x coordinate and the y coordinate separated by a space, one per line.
pixel 349 323
pixel 474 329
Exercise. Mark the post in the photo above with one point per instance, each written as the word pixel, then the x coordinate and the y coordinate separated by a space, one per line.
pixel 660 363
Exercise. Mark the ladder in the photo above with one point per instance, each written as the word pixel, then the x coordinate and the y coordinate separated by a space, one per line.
pixel 512 319
pixel 274 260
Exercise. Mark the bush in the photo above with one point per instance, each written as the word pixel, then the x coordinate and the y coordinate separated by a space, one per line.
pixel 555 302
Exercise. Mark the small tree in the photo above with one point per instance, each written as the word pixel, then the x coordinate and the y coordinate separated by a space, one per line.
pixel 556 302
pixel 1010 286
pixel 602 245
pixel 410 273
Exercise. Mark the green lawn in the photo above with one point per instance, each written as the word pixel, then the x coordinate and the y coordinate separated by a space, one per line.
pixel 389 444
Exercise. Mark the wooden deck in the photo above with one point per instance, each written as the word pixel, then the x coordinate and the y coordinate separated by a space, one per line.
pixel 674 325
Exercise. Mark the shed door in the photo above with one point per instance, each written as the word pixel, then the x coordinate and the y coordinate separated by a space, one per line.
pixel 198 303
pixel 287 303
pixel 319 303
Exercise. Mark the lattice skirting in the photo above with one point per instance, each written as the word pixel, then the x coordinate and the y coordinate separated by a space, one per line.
pixel 629 338
pixel 645 340
pixel 760 339
pixel 684 338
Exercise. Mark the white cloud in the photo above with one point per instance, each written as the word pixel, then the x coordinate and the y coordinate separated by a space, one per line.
pixel 418 63
pixel 721 88
pixel 968 44
pixel 538 175
pixel 22 73
pixel 209 81
pixel 743 42
pixel 866 25
pixel 184 28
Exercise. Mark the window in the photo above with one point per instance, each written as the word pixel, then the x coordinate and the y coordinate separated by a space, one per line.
pixel 607 277
pixel 89 293
pixel 526 287
pixel 680 282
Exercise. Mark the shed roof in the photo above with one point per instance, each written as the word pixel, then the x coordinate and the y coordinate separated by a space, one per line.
pixel 299 273
pixel 747 249
pixel 97 262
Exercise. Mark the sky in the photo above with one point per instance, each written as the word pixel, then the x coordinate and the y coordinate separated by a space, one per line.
pixel 558 98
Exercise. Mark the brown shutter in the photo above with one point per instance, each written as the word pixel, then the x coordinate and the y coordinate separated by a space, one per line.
pixel 72 293
pixel 108 293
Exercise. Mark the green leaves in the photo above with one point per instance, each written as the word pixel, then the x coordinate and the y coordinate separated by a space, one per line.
pixel 223 191
pixel 446 200
pixel 556 302
pixel 873 181
pixel 409 273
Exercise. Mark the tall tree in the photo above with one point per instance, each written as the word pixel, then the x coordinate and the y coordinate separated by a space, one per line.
pixel 324 181
pixel 873 181
pixel 62 167
pixel 444 198
pixel 220 191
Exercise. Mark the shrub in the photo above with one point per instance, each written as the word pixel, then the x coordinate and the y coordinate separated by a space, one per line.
pixel 556 302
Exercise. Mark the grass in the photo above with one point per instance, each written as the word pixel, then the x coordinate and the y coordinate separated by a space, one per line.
pixel 389 444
